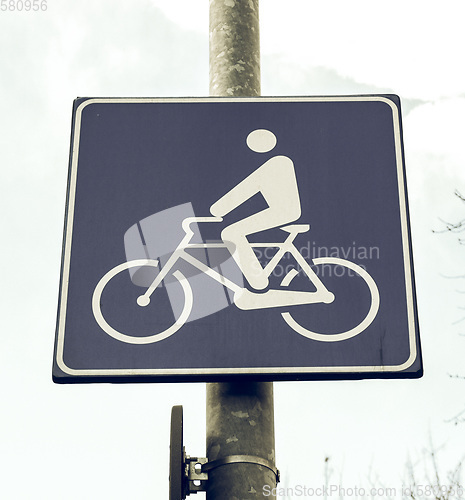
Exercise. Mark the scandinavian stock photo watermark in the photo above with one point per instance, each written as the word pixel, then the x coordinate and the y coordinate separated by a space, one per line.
pixel 360 492
pixel 310 250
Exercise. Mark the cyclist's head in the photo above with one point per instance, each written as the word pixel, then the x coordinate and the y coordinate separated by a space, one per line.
pixel 261 140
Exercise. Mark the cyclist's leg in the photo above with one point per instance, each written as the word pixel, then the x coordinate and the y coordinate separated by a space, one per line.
pixel 235 236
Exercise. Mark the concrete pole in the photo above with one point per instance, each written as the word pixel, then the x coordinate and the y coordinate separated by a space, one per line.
pixel 240 415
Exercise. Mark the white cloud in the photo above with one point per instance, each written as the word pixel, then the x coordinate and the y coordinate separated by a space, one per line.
pixel 414 47
pixel 438 128
pixel 435 160
pixel 189 14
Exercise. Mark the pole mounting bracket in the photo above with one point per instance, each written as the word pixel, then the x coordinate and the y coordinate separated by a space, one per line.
pixel 190 474
pixel 195 475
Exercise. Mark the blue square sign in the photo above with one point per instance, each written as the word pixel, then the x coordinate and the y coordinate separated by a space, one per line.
pixel 217 238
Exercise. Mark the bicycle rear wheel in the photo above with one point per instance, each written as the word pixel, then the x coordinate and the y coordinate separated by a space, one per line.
pixel 346 268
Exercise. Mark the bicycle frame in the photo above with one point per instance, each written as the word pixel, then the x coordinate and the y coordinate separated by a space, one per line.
pixel 244 298
pixel 181 253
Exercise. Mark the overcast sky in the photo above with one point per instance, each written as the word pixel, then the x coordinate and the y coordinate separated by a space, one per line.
pixel 110 441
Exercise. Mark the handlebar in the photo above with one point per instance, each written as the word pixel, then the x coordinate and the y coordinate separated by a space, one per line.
pixel 189 220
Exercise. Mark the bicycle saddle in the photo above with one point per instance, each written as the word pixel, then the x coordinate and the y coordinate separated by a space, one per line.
pixel 296 228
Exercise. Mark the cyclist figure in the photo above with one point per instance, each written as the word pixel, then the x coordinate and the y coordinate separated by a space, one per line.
pixel 276 181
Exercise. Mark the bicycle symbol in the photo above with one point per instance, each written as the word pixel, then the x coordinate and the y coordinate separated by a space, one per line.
pixel 243 298
pixel 276 181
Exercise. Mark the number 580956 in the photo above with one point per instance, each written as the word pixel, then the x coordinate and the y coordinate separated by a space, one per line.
pixel 23 5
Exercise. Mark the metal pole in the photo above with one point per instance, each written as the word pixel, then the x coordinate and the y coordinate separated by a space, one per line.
pixel 234 48
pixel 240 416
pixel 240 421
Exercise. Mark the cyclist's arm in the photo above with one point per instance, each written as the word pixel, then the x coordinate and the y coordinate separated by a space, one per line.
pixel 239 194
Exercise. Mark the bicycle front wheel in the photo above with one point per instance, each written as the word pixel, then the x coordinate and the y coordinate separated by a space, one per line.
pixel 115 296
pixel 356 301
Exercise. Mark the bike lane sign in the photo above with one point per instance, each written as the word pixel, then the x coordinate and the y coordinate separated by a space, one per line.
pixel 216 238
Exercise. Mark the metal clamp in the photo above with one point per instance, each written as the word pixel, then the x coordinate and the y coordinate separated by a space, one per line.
pixel 196 469
pixel 241 459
